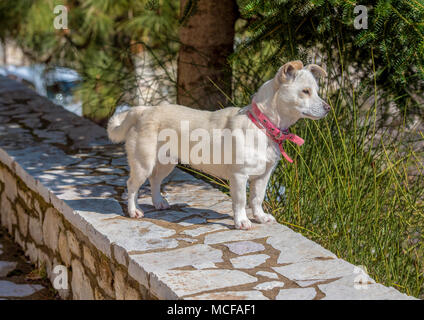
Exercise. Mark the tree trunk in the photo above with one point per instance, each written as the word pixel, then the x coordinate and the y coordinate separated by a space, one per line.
pixel 207 39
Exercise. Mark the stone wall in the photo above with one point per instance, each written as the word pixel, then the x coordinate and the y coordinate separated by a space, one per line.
pixel 62 190
pixel 48 239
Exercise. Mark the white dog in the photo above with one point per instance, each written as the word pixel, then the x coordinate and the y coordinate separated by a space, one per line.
pixel 279 103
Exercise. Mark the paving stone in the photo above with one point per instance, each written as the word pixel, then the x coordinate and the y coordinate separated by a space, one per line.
pixel 307 283
pixel 244 247
pixel 6 267
pixel 295 248
pixel 89 163
pixel 223 208
pixel 211 227
pixel 267 274
pixel 192 221
pixel 110 170
pixel 119 182
pixel 60 179
pixel 179 283
pixel 316 269
pixel 269 285
pixel 48 158
pixel 296 294
pixel 230 295
pixel 258 231
pixel 126 234
pixel 10 289
pixel 248 262
pixel 207 212
pixel 351 288
pixel 158 261
pixel 204 265
pixel 178 175
pixel 119 162
pixel 189 240
pixel 168 215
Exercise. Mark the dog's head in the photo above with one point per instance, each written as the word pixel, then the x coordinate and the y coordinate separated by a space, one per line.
pixel 297 91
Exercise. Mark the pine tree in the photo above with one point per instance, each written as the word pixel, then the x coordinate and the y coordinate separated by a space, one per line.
pixel 206 41
pixel 100 42
pixel 394 40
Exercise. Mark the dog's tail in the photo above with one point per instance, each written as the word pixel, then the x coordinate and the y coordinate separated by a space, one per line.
pixel 119 124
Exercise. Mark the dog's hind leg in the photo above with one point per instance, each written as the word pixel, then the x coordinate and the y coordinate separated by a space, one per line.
pixel 160 172
pixel 141 159
pixel 138 175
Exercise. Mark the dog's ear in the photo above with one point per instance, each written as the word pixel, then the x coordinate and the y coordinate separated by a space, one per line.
pixel 316 71
pixel 288 71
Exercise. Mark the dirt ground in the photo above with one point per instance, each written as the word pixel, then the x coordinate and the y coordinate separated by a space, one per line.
pixel 24 272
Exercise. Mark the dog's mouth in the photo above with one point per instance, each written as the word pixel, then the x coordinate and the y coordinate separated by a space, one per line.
pixel 310 116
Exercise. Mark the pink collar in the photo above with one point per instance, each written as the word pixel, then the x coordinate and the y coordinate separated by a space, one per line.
pixel 277 135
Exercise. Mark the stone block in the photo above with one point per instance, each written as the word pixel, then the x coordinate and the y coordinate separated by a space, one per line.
pixel 64 252
pixel 11 188
pixel 51 227
pixel 73 243
pixel 296 294
pixel 32 252
pixel 22 219
pixel 175 284
pixel 230 295
pixel 249 262
pixel 89 260
pixel 131 294
pixel 19 240
pixel 105 277
pixel 81 286
pixel 243 247
pixel 26 197
pixel 36 230
pixel 119 285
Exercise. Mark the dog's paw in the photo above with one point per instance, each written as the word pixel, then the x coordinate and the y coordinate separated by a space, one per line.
pixel 162 204
pixel 136 213
pixel 264 218
pixel 243 224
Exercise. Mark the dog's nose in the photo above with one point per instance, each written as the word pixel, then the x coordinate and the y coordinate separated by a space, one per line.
pixel 326 107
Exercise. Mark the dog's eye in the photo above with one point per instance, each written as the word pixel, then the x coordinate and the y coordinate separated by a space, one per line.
pixel 306 91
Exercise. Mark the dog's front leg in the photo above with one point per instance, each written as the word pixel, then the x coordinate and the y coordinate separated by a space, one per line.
pixel 257 194
pixel 238 194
